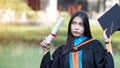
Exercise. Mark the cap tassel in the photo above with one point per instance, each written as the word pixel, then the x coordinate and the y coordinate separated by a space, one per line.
pixel 109 48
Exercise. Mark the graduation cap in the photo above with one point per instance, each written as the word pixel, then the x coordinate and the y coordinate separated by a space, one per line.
pixel 111 20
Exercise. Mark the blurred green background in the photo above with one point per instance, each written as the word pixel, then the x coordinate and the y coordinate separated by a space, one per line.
pixel 20 44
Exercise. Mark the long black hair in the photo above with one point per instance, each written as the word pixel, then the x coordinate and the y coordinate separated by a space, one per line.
pixel 87 31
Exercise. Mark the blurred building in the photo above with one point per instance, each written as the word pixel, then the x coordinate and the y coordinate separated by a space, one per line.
pixel 72 5
pixel 63 5
pixel 37 4
pixel 48 10
pixel 86 5
pixel 34 4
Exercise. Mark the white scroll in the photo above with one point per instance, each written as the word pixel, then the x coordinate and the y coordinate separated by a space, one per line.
pixel 54 30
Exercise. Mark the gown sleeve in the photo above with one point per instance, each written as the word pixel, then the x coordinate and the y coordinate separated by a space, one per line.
pixel 47 62
pixel 103 59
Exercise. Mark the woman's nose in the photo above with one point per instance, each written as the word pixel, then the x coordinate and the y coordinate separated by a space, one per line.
pixel 76 27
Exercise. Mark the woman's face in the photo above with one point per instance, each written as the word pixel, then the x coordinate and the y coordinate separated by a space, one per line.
pixel 77 27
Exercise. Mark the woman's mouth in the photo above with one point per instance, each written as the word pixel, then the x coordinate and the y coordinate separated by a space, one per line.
pixel 75 32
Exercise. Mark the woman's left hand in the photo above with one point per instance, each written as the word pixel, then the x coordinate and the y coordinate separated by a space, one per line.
pixel 105 36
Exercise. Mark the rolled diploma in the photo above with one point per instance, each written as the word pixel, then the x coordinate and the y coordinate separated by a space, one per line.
pixel 55 29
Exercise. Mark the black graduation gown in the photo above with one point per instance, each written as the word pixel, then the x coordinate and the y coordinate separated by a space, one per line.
pixel 94 56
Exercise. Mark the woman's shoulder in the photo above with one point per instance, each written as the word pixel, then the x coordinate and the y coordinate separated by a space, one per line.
pixel 92 41
pixel 97 44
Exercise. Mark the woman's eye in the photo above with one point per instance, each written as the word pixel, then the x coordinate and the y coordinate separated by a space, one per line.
pixel 81 24
pixel 73 22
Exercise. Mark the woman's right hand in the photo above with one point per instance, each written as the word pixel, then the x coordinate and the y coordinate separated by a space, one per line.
pixel 45 46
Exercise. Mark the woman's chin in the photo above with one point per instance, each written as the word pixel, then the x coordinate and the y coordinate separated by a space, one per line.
pixel 76 35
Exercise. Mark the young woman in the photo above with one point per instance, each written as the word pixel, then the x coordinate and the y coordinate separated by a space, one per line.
pixel 80 50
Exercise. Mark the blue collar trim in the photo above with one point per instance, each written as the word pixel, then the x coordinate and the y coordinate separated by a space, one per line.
pixel 79 40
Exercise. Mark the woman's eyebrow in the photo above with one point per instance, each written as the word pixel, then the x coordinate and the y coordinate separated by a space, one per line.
pixel 81 22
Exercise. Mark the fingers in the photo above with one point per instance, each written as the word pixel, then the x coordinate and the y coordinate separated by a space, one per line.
pixel 45 46
pixel 105 35
pixel 43 43
pixel 105 31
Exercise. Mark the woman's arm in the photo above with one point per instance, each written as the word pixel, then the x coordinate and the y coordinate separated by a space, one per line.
pixel 47 62
pixel 103 59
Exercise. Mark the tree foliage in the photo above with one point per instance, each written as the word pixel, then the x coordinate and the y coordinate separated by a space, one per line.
pixel 18 5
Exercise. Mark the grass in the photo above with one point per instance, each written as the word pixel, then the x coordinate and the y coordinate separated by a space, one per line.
pixel 20 56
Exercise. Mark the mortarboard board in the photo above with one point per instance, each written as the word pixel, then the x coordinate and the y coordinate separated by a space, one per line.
pixel 111 20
